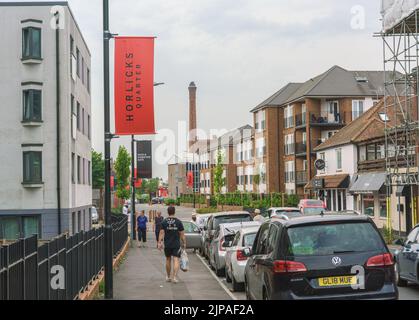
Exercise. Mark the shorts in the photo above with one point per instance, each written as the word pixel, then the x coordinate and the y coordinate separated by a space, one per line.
pixel 172 252
pixel 142 235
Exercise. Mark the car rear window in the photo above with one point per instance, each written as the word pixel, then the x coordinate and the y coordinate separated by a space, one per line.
pixel 248 240
pixel 329 239
pixel 313 211
pixel 231 219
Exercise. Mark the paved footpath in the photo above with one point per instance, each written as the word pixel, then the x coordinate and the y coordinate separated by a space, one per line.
pixel 142 277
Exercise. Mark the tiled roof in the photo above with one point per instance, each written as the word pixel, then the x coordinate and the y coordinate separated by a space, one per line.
pixel 279 97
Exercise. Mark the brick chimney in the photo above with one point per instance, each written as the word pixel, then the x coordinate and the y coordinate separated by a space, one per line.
pixel 192 115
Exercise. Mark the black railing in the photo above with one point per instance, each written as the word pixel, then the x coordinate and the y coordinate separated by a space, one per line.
pixel 301 177
pixel 32 272
pixel 339 118
pixel 300 120
pixel 301 148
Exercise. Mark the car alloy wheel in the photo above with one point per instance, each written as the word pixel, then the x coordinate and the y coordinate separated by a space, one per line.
pixel 228 279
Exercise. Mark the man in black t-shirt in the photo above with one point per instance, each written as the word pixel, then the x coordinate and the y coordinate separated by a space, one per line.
pixel 171 234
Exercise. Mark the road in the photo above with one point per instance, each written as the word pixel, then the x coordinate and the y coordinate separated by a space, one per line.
pixel 142 275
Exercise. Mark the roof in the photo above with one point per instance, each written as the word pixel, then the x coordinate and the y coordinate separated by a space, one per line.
pixel 235 135
pixel 306 220
pixel 279 97
pixel 339 82
pixel 368 126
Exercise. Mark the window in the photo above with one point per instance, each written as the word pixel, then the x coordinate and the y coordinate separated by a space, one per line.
pixel 82 70
pixel 289 117
pixel 384 117
pixel 262 240
pixel 383 206
pixel 371 154
pixel 78 61
pixel 73 171
pixel 15 227
pixel 261 148
pixel 73 119
pixel 79 170
pixel 368 201
pixel 357 109
pixel 88 80
pixel 84 171
pixel 31 43
pixel 339 159
pixel 73 62
pixel 32 167
pixel 289 144
pixel 290 172
pixel 32 105
pixel 82 121
pixel 78 115
pixel 89 132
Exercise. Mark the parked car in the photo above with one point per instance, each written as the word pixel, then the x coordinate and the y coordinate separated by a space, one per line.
pixel 235 258
pixel 311 207
pixel 407 259
pixel 272 212
pixel 155 201
pixel 219 218
pixel 223 238
pixel 95 216
pixel 320 257
pixel 192 234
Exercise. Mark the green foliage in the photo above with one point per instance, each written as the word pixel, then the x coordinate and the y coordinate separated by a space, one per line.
pixel 98 170
pixel 388 235
pixel 150 186
pixel 123 172
pixel 170 202
pixel 219 181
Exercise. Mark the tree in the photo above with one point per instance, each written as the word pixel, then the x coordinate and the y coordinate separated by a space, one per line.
pixel 123 172
pixel 219 181
pixel 149 186
pixel 98 170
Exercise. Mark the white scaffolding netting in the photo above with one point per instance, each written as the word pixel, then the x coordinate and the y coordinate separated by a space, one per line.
pixel 394 11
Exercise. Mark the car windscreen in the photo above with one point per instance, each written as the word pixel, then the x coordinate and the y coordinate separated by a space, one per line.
pixel 313 211
pixel 248 240
pixel 231 219
pixel 329 239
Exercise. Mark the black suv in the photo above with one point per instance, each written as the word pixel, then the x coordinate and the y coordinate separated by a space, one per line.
pixel 320 257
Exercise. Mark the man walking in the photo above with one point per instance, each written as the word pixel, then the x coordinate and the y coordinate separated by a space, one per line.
pixel 171 233
pixel 142 229
pixel 158 225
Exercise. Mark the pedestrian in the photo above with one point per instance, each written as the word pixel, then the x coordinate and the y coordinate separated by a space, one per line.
pixel 171 234
pixel 158 225
pixel 258 217
pixel 194 216
pixel 142 229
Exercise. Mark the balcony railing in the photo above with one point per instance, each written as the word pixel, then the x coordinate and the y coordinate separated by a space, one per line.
pixel 340 118
pixel 301 148
pixel 302 177
pixel 301 120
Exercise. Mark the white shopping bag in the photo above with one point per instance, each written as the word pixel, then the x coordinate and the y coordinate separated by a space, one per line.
pixel 184 261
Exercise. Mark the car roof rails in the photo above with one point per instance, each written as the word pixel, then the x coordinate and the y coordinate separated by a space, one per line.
pixel 282 216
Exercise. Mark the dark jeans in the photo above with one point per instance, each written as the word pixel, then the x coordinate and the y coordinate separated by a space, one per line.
pixel 142 235
pixel 157 234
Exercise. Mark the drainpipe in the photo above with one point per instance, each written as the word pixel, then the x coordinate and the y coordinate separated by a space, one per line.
pixel 57 66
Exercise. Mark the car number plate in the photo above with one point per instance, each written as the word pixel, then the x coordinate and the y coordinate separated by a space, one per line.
pixel 344 281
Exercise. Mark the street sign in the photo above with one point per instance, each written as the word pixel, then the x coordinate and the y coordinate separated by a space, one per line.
pixel 320 164
pixel 318 183
pixel 144 160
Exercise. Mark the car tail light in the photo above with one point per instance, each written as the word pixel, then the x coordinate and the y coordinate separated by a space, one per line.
pixel 241 256
pixel 382 260
pixel 288 267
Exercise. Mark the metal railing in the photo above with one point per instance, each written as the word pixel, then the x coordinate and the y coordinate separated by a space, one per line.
pixel 28 271
pixel 301 177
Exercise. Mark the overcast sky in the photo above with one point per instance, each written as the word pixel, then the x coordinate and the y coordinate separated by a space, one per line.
pixel 238 52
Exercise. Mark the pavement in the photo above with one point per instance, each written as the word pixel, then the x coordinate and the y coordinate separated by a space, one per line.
pixel 142 275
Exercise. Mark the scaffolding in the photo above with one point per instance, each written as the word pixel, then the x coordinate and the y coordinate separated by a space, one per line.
pixel 401 66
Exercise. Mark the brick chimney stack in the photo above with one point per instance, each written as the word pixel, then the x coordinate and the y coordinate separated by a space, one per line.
pixel 192 115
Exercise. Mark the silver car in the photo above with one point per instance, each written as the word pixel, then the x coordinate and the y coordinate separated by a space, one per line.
pixel 192 234
pixel 236 260
pixel 222 239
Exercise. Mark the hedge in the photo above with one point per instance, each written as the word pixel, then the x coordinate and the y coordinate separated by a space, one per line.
pixel 248 200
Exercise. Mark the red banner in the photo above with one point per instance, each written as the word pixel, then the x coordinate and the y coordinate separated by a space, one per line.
pixel 134 86
pixel 190 179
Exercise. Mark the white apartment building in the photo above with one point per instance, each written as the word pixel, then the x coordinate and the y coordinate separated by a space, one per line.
pixel 45 128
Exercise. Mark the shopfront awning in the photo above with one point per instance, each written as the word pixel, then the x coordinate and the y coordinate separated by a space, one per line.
pixel 369 183
pixel 340 181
